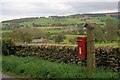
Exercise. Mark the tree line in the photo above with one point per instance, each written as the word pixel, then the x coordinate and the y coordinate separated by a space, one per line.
pixel 108 33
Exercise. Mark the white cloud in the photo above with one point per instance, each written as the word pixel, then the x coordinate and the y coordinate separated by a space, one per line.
pixel 105 11
pixel 26 8
pixel 60 0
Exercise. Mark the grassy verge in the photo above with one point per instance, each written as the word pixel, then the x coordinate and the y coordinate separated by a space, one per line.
pixel 38 68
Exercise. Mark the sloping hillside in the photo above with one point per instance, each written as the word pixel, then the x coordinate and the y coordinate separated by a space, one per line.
pixel 71 20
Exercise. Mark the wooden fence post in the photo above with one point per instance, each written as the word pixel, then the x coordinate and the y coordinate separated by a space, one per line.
pixel 90 48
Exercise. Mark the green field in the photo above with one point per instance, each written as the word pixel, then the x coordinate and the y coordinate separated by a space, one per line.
pixel 51 21
pixel 55 21
pixel 114 44
pixel 53 31
pixel 32 67
pixel 3 31
pixel 29 33
pixel 72 36
pixel 49 44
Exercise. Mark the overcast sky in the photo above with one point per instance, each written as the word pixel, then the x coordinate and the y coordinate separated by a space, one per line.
pixel 12 9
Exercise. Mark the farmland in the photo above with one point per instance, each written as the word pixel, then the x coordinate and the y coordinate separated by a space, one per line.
pixel 72 20
pixel 50 33
pixel 71 25
pixel 46 47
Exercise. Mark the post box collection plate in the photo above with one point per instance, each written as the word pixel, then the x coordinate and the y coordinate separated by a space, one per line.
pixel 82 47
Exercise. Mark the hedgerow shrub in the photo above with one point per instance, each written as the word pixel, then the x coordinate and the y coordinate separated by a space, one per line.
pixel 8 47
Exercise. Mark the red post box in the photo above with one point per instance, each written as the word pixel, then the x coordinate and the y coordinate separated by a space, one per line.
pixel 82 47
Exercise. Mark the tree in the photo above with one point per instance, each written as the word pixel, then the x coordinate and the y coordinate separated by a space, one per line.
pixel 26 34
pixel 59 38
pixel 23 35
pixel 111 30
pixel 33 24
pixel 99 34
pixel 81 30
pixel 26 37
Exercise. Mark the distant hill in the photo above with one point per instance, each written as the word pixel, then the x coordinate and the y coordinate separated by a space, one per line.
pixel 20 20
pixel 115 14
pixel 70 20
pixel 99 14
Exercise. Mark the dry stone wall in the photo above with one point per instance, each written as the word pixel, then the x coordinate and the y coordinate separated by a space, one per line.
pixel 106 57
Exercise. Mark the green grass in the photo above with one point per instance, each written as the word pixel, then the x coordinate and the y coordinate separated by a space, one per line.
pixel 3 31
pixel 94 20
pixel 51 21
pixel 39 68
pixel 66 41
pixel 49 44
pixel 104 18
pixel 54 31
pixel 70 44
pixel 114 44
pixel 0 62
pixel 71 36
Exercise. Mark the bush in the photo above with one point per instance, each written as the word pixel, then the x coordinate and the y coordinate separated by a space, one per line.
pixel 8 47
pixel 73 40
pixel 59 38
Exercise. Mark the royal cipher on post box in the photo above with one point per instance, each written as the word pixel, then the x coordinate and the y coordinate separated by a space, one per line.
pixel 82 47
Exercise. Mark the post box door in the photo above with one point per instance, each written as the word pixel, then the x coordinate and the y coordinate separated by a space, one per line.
pixel 82 47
